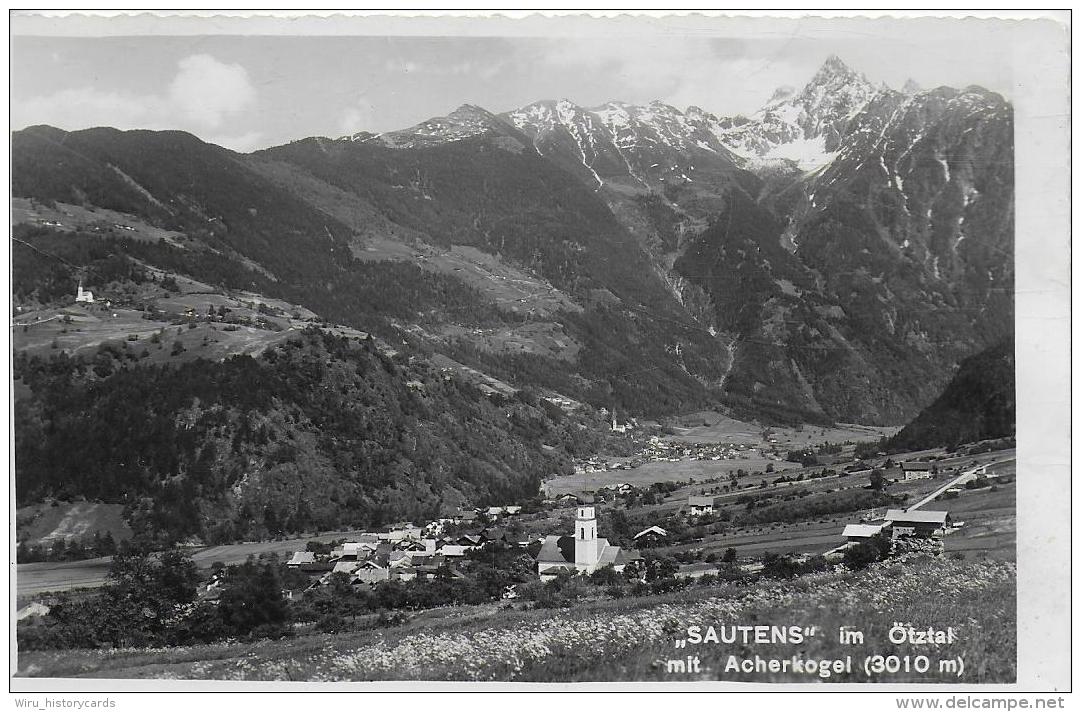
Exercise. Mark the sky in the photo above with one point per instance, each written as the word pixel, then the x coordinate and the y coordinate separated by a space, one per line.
pixel 252 91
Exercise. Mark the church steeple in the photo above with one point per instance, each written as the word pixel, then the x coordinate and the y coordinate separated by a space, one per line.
pixel 585 538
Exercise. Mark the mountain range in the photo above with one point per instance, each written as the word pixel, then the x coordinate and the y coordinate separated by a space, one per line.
pixel 830 258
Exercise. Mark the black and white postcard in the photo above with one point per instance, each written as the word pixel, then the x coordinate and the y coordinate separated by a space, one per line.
pixel 714 352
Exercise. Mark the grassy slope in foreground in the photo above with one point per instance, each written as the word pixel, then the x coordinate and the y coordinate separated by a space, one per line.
pixel 625 639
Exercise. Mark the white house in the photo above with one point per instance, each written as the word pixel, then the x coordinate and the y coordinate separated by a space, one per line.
pixel 701 505
pixel 918 470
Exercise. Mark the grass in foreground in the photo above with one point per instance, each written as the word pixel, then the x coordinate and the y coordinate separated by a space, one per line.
pixel 626 639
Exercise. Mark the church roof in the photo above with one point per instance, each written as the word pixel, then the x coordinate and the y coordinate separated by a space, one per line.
pixel 609 556
pixel 556 550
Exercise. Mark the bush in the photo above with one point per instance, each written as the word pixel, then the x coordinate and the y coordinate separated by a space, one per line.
pixel 865 553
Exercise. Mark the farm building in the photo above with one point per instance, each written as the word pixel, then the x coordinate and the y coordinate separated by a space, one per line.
pixel 854 533
pixel 651 537
pixel 920 523
pixel 577 498
pixel 300 558
pixel 701 504
pixel 465 517
pixel 584 552
pixel 918 470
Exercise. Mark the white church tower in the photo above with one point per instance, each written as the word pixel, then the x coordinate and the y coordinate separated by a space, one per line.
pixel 586 549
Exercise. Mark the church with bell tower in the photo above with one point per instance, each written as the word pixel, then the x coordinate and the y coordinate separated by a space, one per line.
pixel 585 552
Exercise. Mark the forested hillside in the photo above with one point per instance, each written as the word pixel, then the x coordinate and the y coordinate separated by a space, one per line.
pixel 979 403
pixel 319 433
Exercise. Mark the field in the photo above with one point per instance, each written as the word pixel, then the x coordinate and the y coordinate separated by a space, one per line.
pixel 627 639
pixel 66 217
pixel 990 517
pixel 650 472
pixel 89 328
pixel 709 427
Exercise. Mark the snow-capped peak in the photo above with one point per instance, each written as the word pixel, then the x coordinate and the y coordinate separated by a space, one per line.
pixel 465 121
pixel 805 126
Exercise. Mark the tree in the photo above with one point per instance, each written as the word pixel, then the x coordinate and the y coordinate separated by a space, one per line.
pixel 252 602
pixel 730 555
pixel 878 481
pixel 319 548
pixel 605 576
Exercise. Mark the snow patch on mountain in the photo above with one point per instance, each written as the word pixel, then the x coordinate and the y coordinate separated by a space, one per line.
pixel 808 153
pixel 805 126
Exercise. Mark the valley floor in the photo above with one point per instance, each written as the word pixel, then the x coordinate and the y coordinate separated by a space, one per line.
pixel 631 638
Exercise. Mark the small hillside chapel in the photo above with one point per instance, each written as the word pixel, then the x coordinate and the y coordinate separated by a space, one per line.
pixel 84 295
pixel 584 552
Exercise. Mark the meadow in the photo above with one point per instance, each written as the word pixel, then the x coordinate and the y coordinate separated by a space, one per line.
pixel 627 638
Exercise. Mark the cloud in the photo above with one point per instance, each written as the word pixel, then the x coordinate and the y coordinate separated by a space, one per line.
pixel 89 108
pixel 202 95
pixel 360 116
pixel 243 143
pixel 717 75
pixel 206 89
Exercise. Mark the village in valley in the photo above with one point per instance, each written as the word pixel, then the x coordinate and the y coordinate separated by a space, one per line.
pixel 698 499
pixel 696 529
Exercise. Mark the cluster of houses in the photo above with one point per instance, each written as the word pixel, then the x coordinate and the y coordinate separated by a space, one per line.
pixel 408 552
pixel 898 523
pixel 405 552
pixel 660 450
pixel 601 494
